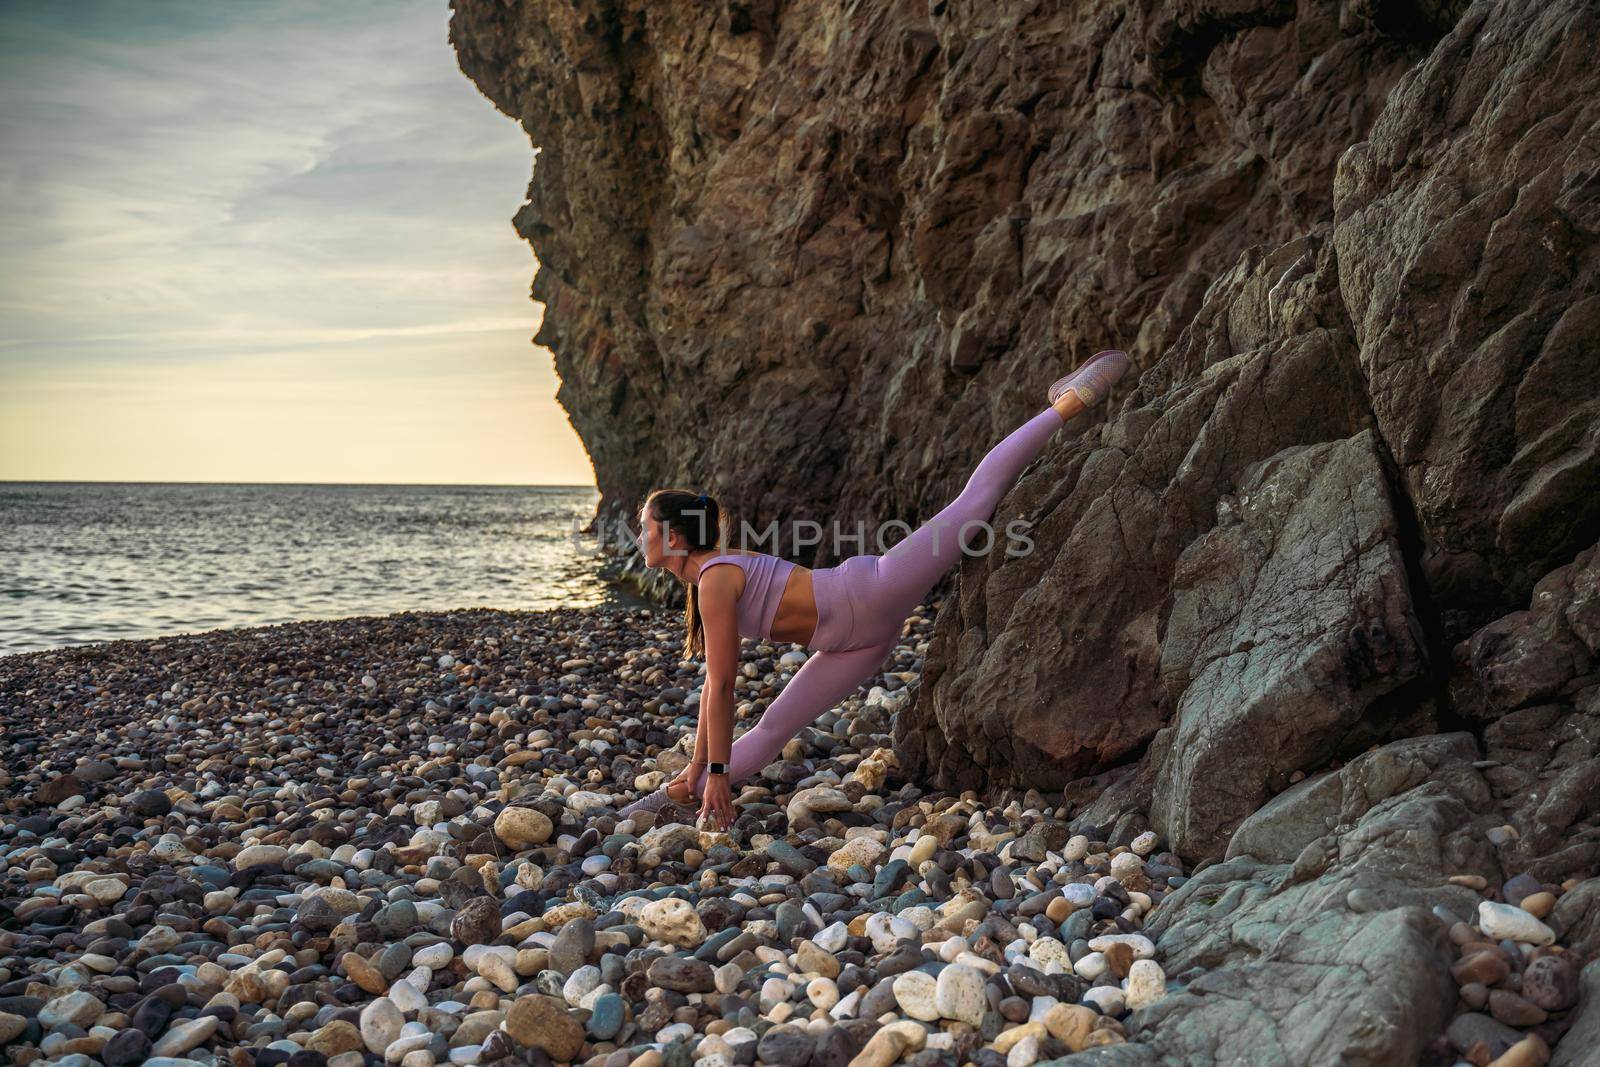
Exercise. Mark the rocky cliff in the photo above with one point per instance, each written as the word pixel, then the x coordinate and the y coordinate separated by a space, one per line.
pixel 1342 529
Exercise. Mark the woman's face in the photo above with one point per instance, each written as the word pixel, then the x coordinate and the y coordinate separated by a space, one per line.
pixel 656 538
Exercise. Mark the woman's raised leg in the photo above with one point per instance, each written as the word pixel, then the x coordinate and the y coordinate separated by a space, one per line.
pixel 912 567
pixel 820 683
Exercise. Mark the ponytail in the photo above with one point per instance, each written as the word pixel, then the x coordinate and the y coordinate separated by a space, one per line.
pixel 698 517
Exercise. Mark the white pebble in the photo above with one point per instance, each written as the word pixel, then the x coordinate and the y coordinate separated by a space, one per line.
pixel 915 992
pixel 727 977
pixel 1078 894
pixel 1147 983
pixel 407 1043
pixel 832 938
pixel 1125 866
pixel 822 992
pixel 977 962
pixel 1107 998
pixel 1143 947
pixel 675 1032
pixel 775 991
pixel 381 1023
pixel 435 957
pixel 1507 921
pixel 584 981
pixel 1046 949
pixel 406 997
pixel 1091 966
pixel 1023 1053
pixel 886 930
pixel 959 994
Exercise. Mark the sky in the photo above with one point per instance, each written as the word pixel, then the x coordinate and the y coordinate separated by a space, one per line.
pixel 264 242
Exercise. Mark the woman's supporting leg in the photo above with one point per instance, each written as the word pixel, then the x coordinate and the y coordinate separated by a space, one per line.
pixel 912 567
pixel 820 683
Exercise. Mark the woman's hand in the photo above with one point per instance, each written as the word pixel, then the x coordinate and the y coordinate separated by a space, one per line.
pixel 717 810
pixel 686 778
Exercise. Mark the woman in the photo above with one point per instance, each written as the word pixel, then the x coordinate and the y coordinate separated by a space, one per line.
pixel 851 614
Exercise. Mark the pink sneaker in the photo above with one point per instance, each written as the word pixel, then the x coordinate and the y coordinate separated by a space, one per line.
pixel 664 807
pixel 1094 379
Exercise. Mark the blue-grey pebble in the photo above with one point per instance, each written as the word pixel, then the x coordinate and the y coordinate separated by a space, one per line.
pixel 607 1019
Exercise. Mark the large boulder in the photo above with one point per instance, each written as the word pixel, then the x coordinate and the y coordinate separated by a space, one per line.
pixel 1291 618
pixel 1337 957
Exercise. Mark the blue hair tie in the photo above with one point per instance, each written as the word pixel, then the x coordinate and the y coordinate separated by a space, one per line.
pixel 703 501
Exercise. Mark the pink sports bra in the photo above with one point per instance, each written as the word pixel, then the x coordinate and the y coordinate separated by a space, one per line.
pixel 764 579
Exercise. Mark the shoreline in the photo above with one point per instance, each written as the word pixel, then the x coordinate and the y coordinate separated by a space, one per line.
pixel 114 644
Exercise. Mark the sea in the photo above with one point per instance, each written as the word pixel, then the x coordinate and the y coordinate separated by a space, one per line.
pixel 82 562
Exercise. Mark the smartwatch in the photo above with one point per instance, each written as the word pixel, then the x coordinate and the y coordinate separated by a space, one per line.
pixel 716 768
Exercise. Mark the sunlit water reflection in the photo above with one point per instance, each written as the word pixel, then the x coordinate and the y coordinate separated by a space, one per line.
pixel 82 562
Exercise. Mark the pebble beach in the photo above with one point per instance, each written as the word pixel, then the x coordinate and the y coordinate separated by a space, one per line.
pixel 394 840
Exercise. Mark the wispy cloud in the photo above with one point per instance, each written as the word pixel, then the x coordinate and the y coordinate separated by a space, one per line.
pixel 207 183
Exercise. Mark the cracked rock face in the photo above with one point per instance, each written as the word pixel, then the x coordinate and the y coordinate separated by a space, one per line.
pixel 1291 618
pixel 1067 644
pixel 1392 316
pixel 1536 675
pixel 1470 270
pixel 820 257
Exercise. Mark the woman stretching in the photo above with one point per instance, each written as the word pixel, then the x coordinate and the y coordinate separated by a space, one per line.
pixel 851 614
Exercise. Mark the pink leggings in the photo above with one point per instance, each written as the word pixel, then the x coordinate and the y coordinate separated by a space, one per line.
pixel 868 599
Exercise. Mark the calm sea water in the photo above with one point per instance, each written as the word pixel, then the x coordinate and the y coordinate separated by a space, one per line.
pixel 82 562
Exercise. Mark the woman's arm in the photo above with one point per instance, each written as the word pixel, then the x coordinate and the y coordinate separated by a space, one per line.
pixel 697 762
pixel 700 739
pixel 719 603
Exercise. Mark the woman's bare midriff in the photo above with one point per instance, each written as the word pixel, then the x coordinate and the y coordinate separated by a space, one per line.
pixel 796 619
